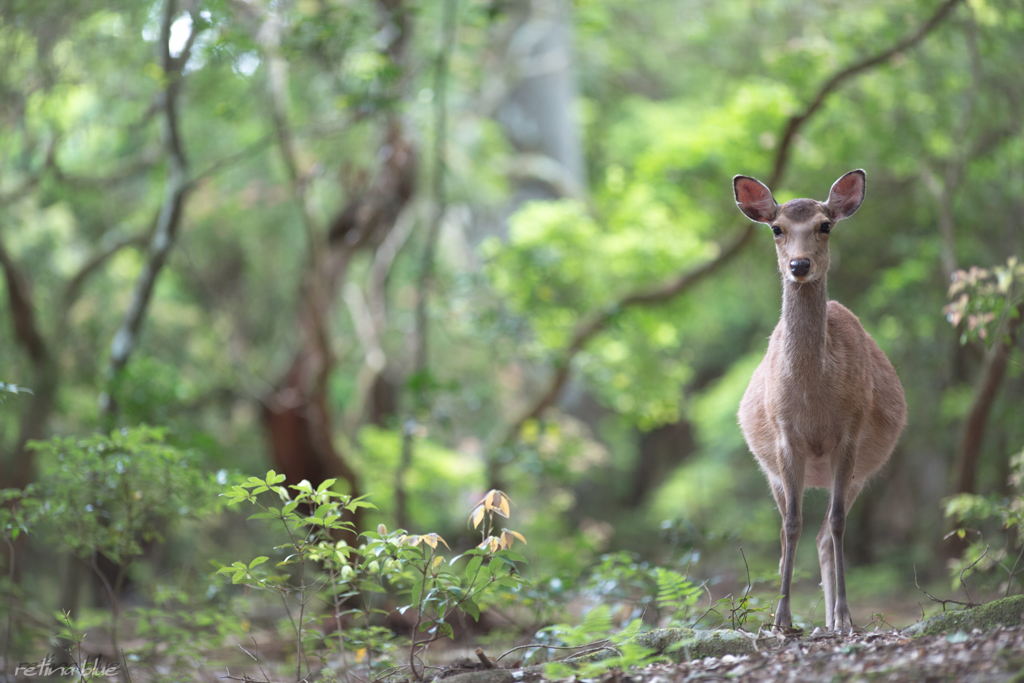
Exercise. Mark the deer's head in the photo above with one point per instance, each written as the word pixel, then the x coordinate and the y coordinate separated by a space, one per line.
pixel 801 226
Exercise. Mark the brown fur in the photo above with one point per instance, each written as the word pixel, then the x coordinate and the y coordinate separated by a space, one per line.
pixel 825 407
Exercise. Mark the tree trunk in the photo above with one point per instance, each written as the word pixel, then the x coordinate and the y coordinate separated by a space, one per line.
pixel 993 371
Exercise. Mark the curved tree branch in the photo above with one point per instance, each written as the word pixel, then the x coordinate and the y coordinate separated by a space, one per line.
pixel 171 211
pixel 840 77
pixel 597 321
pixel 16 471
pixel 73 288
pixel 26 332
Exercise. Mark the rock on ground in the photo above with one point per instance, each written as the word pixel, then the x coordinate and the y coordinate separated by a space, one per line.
pixel 684 644
pixel 1005 612
pixel 483 676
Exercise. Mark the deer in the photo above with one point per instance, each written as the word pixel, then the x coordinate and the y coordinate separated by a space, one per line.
pixel 825 407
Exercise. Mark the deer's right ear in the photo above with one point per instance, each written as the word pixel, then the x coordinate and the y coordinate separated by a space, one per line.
pixel 754 199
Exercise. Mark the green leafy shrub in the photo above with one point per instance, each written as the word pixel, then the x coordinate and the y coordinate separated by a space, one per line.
pixel 107 495
pixel 322 570
pixel 1002 566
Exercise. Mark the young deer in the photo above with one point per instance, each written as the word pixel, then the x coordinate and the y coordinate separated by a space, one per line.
pixel 825 407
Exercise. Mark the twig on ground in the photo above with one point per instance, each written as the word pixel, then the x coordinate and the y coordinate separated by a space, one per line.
pixel 747 591
pixel 484 659
pixel 815 608
pixel 254 658
pixel 940 600
pixel 590 652
pixel 551 647
pixel 1013 572
pixel 711 603
pixel 124 661
pixel 967 592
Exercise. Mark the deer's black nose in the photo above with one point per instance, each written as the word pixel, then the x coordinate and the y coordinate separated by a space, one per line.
pixel 800 267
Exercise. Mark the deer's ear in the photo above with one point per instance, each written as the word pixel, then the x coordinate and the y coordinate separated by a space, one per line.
pixel 754 199
pixel 846 194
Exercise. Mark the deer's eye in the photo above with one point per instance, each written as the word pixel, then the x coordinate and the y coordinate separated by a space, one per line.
pixel 826 228
pixel 777 230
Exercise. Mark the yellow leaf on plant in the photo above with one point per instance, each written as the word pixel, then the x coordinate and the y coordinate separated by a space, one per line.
pixel 433 538
pixel 360 654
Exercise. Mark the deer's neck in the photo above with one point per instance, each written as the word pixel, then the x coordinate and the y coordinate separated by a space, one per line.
pixel 805 312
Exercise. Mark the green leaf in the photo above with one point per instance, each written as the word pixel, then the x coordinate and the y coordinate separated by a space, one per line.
pixel 471 608
pixel 473 567
pixel 510 556
pixel 258 561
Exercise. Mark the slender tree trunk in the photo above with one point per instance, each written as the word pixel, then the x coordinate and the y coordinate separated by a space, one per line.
pixel 418 394
pixel 296 413
pixel 969 453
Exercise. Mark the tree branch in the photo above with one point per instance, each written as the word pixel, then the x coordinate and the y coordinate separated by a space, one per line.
pixel 22 309
pixel 30 183
pixel 420 335
pixel 375 360
pixel 168 220
pixel 993 371
pixel 597 321
pixel 840 77
pixel 73 288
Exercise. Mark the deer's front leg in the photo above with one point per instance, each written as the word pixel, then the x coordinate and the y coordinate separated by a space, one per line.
pixel 826 558
pixel 844 492
pixel 791 468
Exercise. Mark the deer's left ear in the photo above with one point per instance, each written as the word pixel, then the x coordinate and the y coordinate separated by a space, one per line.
pixel 846 194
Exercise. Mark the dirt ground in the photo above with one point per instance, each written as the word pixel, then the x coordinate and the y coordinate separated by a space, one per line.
pixel 994 657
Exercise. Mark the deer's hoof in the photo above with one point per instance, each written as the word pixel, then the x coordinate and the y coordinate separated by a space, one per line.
pixel 787 631
pixel 843 621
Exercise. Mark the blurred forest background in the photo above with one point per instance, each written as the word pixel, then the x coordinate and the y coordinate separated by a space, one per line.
pixel 433 248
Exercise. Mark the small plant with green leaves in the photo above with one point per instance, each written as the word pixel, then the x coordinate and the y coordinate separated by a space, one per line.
pixel 111 494
pixel 311 519
pixel 19 511
pixel 676 594
pixel 343 575
pixel 1002 566
pixel 437 592
pixel 178 628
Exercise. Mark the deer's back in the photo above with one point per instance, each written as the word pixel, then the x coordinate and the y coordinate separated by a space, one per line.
pixel 854 394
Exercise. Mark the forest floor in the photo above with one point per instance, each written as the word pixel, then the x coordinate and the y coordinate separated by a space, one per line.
pixel 881 656
pixel 993 656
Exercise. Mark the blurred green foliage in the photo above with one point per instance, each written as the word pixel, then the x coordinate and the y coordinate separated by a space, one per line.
pixel 673 98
